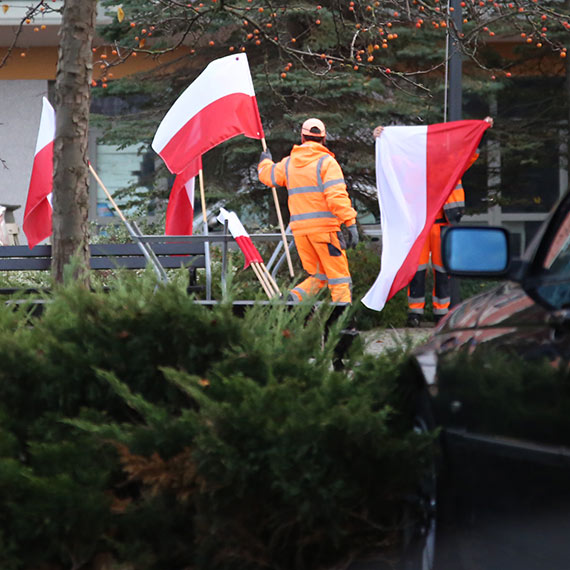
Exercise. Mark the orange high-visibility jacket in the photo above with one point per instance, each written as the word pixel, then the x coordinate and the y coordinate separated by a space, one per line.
pixel 455 204
pixel 318 200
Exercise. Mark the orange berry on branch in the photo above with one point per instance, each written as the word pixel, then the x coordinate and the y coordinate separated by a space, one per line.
pixel 260 9
pixel 283 75
pixel 318 22
pixel 562 54
pixel 211 43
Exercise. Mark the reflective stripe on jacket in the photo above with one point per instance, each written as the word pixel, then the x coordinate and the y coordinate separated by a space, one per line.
pixel 318 200
pixel 454 205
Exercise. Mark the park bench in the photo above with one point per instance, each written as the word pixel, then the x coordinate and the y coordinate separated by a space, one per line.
pixel 110 256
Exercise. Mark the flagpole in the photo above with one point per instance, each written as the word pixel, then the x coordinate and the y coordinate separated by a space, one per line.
pixel 280 219
pixel 205 230
pixel 268 291
pixel 269 282
pixel 147 251
pixel 270 278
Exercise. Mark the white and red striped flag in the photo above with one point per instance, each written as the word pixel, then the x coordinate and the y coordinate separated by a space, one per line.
pixel 241 236
pixel 38 213
pixel 180 209
pixel 218 105
pixel 416 169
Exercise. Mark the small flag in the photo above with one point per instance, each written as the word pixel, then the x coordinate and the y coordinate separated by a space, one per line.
pixel 180 210
pixel 416 170
pixel 38 213
pixel 241 236
pixel 218 105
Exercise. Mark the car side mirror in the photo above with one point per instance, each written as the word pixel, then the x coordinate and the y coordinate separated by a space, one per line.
pixel 476 251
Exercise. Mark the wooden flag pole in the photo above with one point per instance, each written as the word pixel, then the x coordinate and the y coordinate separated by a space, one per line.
pixel 270 278
pixel 280 219
pixel 107 193
pixel 205 225
pixel 266 288
pixel 269 282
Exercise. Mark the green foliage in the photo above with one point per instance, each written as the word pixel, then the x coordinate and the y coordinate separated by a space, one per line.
pixel 140 425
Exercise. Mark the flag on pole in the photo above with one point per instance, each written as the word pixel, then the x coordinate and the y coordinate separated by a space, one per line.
pixel 416 169
pixel 38 213
pixel 218 105
pixel 180 209
pixel 241 236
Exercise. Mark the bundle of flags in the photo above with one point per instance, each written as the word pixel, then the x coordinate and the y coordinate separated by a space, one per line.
pixel 252 256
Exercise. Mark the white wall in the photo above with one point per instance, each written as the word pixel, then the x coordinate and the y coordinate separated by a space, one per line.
pixel 20 110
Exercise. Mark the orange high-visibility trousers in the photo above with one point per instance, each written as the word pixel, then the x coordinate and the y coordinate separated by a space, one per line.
pixel 325 261
pixel 441 290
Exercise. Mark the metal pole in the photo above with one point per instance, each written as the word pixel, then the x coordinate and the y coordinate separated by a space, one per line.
pixel 455 102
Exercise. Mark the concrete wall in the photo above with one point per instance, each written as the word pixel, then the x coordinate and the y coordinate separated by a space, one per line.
pixel 20 110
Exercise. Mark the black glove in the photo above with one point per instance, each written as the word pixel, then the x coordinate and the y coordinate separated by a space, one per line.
pixel 353 238
pixel 265 154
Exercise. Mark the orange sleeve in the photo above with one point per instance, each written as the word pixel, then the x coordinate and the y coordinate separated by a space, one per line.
pixel 272 173
pixel 336 196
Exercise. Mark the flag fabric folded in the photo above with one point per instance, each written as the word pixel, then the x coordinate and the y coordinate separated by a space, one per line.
pixel 416 169
pixel 38 213
pixel 241 236
pixel 217 106
pixel 180 209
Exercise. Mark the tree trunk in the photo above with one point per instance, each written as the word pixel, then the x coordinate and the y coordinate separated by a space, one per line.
pixel 71 171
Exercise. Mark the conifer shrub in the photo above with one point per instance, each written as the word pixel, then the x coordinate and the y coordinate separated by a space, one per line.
pixel 141 427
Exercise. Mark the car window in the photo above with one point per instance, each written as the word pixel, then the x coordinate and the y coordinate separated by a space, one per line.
pixel 555 289
pixel 557 260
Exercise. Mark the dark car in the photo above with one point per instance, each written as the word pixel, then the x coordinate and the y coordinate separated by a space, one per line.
pixel 495 376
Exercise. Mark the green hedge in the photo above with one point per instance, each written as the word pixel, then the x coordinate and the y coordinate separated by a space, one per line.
pixel 139 427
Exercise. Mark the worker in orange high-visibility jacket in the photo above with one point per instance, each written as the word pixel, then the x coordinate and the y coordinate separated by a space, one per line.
pixel 318 205
pixel 441 297
pixel 451 213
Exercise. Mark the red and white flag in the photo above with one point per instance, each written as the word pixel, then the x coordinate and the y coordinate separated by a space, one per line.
pixel 180 209
pixel 241 236
pixel 218 105
pixel 416 170
pixel 37 215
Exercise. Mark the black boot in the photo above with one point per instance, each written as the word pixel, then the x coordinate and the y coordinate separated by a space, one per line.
pixel 414 320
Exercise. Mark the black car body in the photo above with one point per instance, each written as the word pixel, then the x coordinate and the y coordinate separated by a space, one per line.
pixel 496 374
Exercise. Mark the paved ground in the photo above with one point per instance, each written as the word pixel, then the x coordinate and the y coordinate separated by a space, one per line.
pixel 377 340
